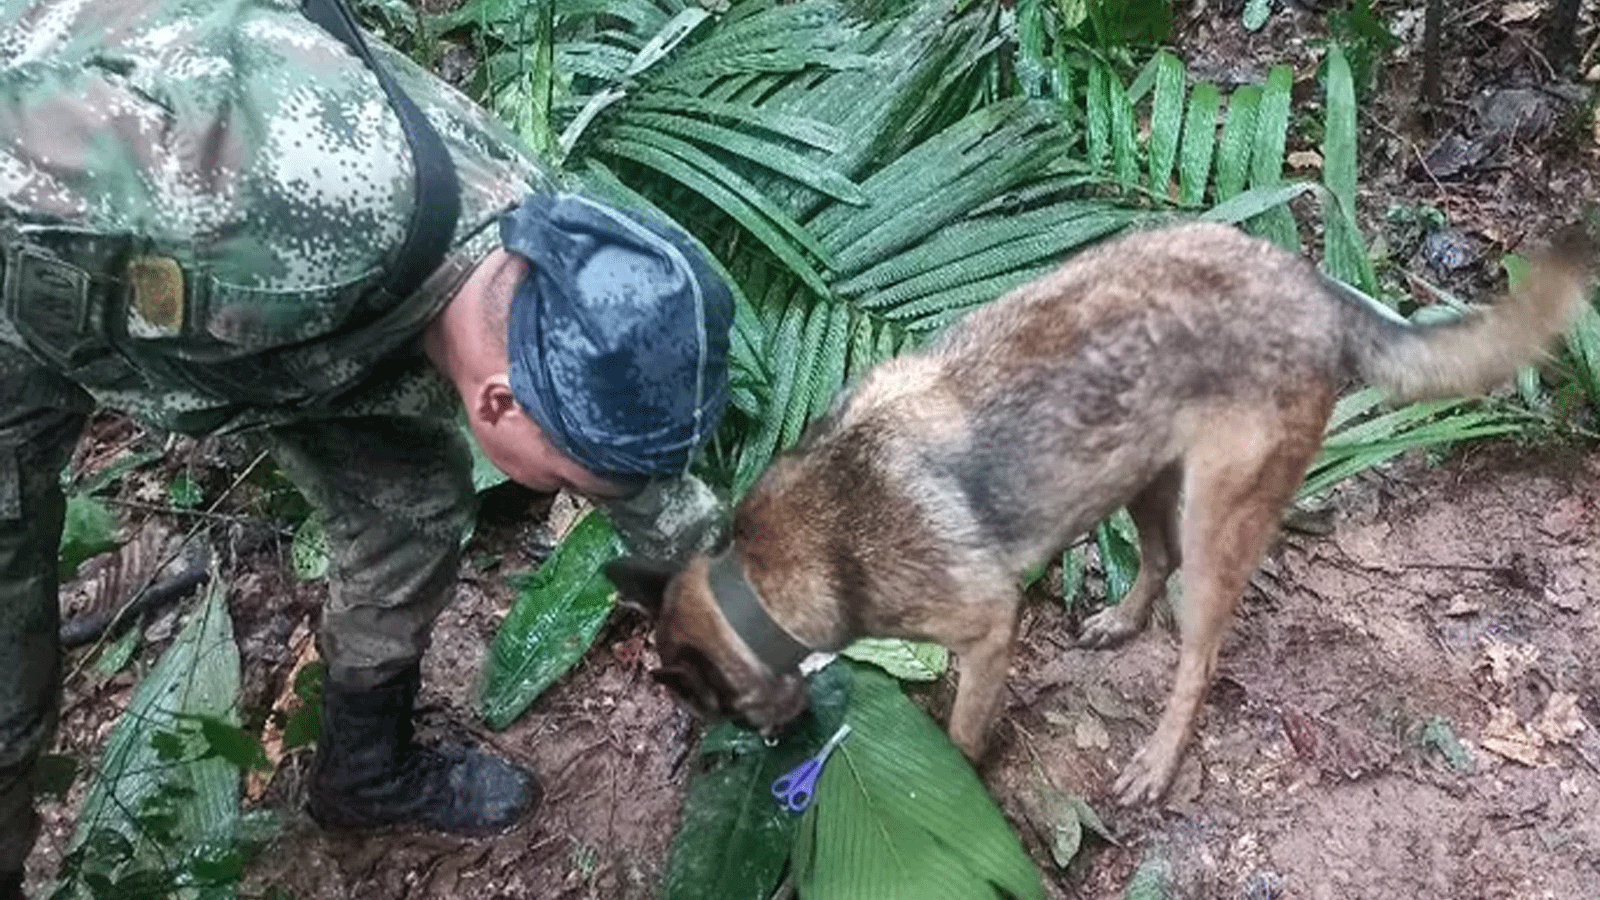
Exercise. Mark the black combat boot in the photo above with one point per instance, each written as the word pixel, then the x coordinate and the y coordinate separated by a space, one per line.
pixel 368 772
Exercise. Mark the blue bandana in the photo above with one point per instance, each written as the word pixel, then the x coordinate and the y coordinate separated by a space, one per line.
pixel 618 336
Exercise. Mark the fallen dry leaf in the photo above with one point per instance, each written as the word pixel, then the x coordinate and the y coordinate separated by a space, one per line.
pixel 1304 159
pixel 1089 733
pixel 1561 719
pixel 1506 661
pixel 1506 736
pixel 1520 11
pixel 305 650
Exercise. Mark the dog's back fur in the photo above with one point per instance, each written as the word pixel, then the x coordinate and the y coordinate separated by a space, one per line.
pixel 1040 413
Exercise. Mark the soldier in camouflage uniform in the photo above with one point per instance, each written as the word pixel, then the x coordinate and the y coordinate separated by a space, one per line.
pixel 199 200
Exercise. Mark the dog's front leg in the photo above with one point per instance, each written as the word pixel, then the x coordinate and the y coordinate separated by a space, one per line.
pixel 985 659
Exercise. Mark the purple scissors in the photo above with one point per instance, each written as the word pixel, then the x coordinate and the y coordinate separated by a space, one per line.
pixel 795 789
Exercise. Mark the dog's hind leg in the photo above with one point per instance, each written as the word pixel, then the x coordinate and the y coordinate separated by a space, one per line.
pixel 985 656
pixel 1237 480
pixel 1155 514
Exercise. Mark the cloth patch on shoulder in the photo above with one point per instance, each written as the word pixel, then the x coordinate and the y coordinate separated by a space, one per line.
pixel 157 307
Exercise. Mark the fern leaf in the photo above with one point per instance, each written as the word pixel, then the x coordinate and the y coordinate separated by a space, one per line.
pixel 1166 120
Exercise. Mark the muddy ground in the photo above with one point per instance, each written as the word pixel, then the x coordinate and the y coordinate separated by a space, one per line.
pixel 1407 704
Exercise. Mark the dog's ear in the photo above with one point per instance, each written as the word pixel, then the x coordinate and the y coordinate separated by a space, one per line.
pixel 641 583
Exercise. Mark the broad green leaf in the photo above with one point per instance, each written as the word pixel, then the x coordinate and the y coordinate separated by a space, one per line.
pixel 89 530
pixel 1166 120
pixel 557 613
pixel 801 129
pixel 900 815
pixel 1199 142
pixel 224 739
pixel 905 660
pixel 787 352
pixel 804 170
pixel 1099 116
pixel 308 552
pixel 734 837
pixel 1118 544
pixel 160 806
pixel 304 722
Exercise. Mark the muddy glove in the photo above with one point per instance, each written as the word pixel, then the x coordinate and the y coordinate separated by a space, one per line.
pixel 669 520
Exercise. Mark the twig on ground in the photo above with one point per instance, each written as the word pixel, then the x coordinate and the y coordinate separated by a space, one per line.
pixel 155 572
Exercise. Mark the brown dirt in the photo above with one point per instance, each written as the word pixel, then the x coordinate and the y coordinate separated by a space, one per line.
pixel 1449 610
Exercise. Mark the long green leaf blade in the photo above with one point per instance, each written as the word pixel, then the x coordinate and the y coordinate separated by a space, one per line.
pixel 1166 120
pixel 1266 159
pixel 196 678
pixel 1237 141
pixel 557 613
pixel 782 241
pixel 1199 143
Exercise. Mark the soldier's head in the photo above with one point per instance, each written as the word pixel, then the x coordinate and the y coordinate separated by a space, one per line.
pixel 615 334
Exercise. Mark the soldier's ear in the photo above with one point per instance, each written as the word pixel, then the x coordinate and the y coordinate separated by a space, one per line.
pixel 641 583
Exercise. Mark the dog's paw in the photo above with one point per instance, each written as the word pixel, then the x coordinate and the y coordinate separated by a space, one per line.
pixel 1146 776
pixel 1108 628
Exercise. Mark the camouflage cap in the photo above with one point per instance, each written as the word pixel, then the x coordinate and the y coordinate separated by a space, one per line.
pixel 618 335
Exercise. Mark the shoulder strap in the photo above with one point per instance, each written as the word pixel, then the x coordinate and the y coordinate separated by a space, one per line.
pixel 438 194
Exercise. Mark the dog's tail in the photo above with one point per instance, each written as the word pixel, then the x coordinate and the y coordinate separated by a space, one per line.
pixel 1473 353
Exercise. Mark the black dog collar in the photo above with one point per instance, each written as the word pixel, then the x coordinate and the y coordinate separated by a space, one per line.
pixel 743 610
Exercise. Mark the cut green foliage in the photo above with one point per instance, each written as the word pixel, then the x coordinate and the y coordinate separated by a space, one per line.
pixel 309 552
pixel 905 660
pixel 89 530
pixel 1438 735
pixel 303 725
pixel 734 837
pixel 900 814
pixel 161 817
pixel 557 613
pixel 1118 544
pixel 184 492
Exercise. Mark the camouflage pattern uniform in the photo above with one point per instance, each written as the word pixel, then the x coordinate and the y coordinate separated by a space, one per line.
pixel 197 200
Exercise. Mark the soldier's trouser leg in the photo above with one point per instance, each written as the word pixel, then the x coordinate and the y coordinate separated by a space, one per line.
pixel 35 443
pixel 397 499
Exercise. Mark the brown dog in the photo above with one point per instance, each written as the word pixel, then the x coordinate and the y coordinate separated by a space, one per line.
pixel 1193 360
